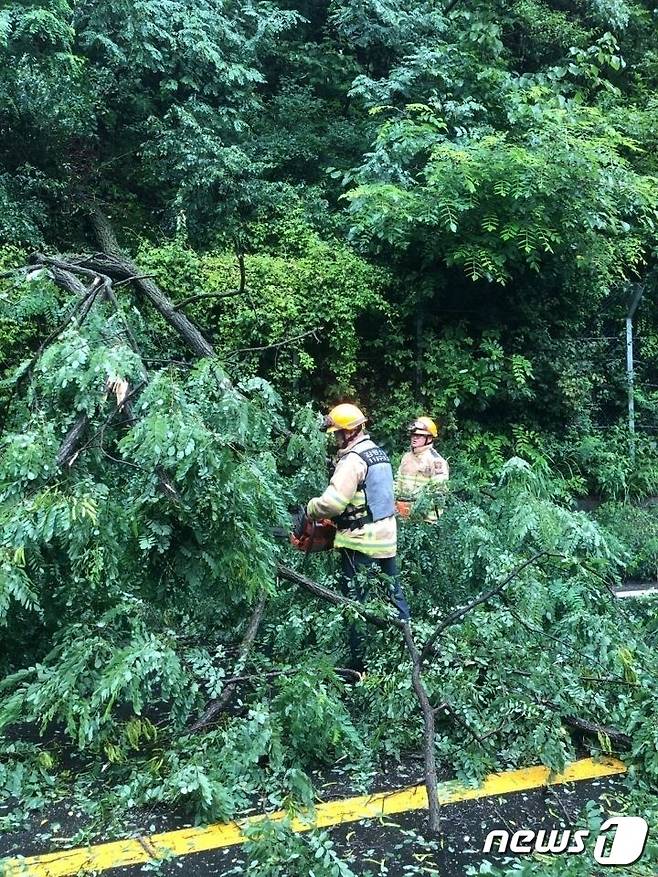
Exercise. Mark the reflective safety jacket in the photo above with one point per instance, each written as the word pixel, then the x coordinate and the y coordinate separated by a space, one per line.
pixel 360 500
pixel 418 468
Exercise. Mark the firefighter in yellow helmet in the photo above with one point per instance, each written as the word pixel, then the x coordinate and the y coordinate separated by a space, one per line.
pixel 360 499
pixel 421 466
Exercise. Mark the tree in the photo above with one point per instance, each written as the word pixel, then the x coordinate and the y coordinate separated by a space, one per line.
pixel 182 471
pixel 148 100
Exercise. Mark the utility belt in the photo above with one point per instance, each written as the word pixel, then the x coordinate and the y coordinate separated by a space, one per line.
pixel 354 520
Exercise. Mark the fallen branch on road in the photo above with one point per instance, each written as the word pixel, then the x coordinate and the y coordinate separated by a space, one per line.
pixel 417 657
pixel 431 780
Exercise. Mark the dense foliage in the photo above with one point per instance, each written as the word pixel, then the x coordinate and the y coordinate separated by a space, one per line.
pixel 430 209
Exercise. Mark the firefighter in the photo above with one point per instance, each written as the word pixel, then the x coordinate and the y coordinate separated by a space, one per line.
pixel 361 502
pixel 421 466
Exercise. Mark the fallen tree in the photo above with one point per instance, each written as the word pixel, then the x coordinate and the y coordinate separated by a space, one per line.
pixel 141 486
pixel 419 655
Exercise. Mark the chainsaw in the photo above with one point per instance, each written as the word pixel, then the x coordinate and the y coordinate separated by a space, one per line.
pixel 403 507
pixel 310 536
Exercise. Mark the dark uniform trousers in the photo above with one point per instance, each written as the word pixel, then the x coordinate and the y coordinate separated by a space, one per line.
pixel 354 566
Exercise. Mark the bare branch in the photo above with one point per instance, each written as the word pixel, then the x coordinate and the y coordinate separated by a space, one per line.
pixel 201 295
pixel 88 304
pixel 431 778
pixel 278 344
pixel 551 790
pixel 243 273
pixel 136 277
pixel 62 265
pixel 122 461
pixel 179 362
pixel 243 653
pixel 117 264
pixel 459 613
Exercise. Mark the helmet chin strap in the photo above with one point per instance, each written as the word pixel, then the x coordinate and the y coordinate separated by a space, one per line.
pixel 429 440
pixel 346 436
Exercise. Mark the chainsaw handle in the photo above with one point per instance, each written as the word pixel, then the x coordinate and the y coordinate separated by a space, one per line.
pixel 299 521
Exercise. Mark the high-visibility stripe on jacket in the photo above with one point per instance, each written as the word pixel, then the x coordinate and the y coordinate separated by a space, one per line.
pixel 376 539
pixel 418 468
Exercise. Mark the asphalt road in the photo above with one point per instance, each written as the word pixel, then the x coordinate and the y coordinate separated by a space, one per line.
pixel 398 846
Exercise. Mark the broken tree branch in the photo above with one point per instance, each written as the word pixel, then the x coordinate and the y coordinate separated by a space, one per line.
pixel 592 728
pixel 337 599
pixel 255 678
pixel 585 726
pixel 102 268
pixel 64 274
pixel 68 449
pixel 216 706
pixel 121 267
pixel 102 281
pixel 431 779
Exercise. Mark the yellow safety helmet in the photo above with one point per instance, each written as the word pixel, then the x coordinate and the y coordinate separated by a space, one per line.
pixel 344 416
pixel 424 426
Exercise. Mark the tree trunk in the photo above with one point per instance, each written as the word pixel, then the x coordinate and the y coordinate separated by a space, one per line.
pixel 125 268
pixel 69 446
pixel 419 325
pixel 431 779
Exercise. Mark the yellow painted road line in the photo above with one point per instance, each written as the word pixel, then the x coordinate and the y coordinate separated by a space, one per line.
pixel 195 840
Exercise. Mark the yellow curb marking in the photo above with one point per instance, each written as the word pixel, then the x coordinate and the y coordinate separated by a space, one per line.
pixel 195 840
